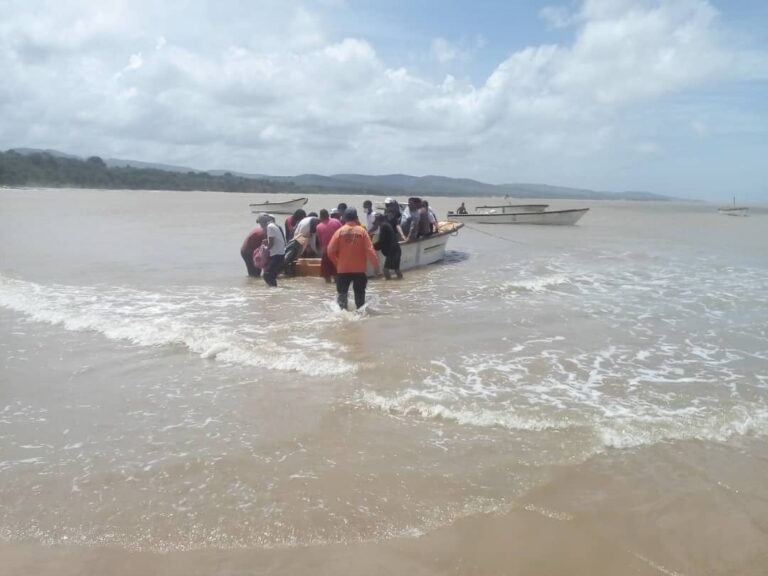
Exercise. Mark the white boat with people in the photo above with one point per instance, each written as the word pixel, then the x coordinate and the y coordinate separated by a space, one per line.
pixel 415 253
pixel 542 217
pixel 287 207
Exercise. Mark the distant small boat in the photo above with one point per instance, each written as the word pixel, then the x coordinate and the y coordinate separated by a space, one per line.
pixel 734 210
pixel 512 208
pixel 552 217
pixel 287 207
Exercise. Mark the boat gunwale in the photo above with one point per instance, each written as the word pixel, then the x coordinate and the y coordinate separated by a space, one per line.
pixel 454 214
pixel 510 206
pixel 283 203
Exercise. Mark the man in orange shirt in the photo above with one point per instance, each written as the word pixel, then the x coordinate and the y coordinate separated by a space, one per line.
pixel 350 249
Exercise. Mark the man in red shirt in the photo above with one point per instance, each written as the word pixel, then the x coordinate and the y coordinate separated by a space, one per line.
pixel 350 249
pixel 292 221
pixel 326 228
pixel 252 241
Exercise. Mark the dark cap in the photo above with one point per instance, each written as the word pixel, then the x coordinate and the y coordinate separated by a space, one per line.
pixel 350 214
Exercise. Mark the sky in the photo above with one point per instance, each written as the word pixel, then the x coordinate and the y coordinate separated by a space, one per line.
pixel 665 96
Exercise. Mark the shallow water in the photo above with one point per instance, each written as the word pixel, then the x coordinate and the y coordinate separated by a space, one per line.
pixel 154 399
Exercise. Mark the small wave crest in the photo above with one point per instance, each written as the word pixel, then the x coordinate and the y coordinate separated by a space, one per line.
pixel 607 431
pixel 539 284
pixel 738 421
pixel 407 405
pixel 617 397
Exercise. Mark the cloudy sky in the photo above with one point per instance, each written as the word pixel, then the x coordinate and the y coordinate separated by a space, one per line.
pixel 668 96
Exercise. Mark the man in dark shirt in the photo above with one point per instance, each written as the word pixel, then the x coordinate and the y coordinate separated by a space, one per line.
pixel 389 245
pixel 393 215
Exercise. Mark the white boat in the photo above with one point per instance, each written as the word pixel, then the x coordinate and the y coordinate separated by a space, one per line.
pixel 512 208
pixel 287 207
pixel 419 252
pixel 552 217
pixel 734 210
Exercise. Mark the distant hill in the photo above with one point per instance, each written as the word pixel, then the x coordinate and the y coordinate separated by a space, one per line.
pixel 42 168
pixel 54 153
pixel 117 163
pixel 400 185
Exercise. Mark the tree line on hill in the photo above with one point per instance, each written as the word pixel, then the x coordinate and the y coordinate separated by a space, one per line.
pixel 46 170
pixel 49 168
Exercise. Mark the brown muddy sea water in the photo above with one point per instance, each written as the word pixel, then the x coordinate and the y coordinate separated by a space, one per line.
pixel 580 400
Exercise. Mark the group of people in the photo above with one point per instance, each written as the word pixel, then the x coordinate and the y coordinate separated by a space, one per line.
pixel 341 239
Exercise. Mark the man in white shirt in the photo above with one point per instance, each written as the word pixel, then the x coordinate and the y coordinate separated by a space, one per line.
pixel 369 215
pixel 276 244
pixel 306 234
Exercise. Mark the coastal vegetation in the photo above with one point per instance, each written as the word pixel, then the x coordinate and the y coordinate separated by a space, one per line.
pixel 49 168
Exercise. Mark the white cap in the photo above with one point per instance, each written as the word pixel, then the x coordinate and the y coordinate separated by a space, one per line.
pixel 389 201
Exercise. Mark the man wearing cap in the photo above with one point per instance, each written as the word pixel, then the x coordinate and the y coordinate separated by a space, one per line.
pixel 350 249
pixel 276 244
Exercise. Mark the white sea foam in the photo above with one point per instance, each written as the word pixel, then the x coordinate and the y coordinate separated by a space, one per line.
pixel 195 318
pixel 625 397
pixel 538 284
pixel 406 405
pixel 617 427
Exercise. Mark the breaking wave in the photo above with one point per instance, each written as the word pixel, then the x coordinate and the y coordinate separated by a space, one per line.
pixel 618 397
pixel 211 323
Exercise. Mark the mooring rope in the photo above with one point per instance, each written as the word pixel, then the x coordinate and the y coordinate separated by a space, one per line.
pixel 493 235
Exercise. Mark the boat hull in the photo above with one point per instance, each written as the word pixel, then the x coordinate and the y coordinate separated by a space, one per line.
pixel 738 211
pixel 288 207
pixel 551 218
pixel 417 253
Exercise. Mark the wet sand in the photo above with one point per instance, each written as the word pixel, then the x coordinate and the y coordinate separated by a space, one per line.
pixel 689 508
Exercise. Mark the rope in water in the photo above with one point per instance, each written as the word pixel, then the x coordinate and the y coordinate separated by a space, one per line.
pixel 493 235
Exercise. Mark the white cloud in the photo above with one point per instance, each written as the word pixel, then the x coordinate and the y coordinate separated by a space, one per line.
pixel 443 51
pixel 648 148
pixel 699 128
pixel 558 16
pixel 270 91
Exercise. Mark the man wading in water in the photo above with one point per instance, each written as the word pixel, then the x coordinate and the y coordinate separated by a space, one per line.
pixel 350 250
pixel 389 246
